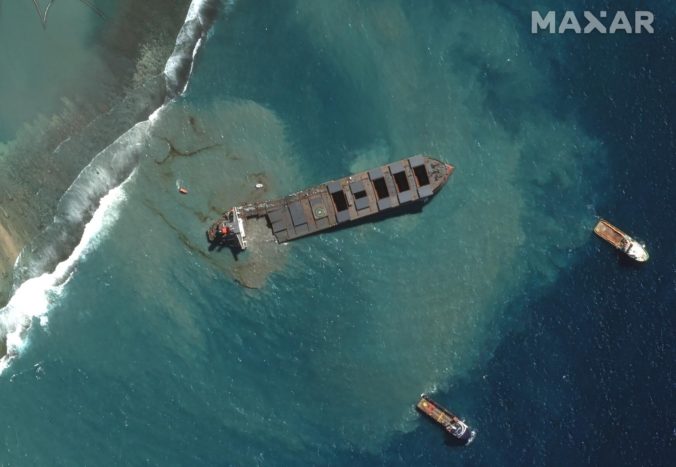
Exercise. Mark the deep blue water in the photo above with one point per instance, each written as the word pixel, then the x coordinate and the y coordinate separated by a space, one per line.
pixel 497 298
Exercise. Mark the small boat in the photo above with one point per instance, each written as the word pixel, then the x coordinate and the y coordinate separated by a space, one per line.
pixel 180 186
pixel 451 423
pixel 621 241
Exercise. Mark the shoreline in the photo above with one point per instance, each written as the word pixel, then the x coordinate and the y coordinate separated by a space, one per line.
pixel 55 219
pixel 9 251
pixel 49 152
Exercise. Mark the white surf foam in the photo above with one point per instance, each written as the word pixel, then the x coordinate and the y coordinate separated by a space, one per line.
pixel 34 298
pixel 114 163
pixel 35 289
pixel 201 14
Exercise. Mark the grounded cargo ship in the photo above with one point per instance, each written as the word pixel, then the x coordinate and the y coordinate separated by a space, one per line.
pixel 451 423
pixel 621 241
pixel 379 192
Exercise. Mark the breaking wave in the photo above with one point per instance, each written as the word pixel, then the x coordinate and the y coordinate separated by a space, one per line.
pixel 114 164
pixel 33 299
pixel 58 243
pixel 78 204
pixel 198 21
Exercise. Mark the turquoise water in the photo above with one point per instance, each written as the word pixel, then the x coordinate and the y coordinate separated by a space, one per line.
pixel 60 53
pixel 495 297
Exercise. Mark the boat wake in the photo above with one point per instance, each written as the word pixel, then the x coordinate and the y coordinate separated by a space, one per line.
pixel 57 249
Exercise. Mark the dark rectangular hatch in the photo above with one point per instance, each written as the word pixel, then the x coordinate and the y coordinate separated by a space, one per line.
pixel 361 200
pixel 401 181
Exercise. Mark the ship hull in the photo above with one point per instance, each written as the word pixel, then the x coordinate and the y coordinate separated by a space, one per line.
pixel 390 190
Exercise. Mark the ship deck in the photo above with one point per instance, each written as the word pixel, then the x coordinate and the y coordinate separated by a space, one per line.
pixel 437 413
pixel 358 196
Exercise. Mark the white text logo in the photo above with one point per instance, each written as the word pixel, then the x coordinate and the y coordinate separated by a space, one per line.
pixel 642 21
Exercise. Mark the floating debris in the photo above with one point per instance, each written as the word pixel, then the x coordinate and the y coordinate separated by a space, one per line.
pixel 181 187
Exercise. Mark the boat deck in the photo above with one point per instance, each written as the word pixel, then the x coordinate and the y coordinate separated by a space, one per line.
pixel 437 413
pixel 611 234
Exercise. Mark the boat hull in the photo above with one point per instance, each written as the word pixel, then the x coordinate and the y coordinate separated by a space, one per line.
pixel 453 425
pixel 622 241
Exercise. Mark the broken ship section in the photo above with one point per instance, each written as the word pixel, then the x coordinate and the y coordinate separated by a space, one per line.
pixel 379 192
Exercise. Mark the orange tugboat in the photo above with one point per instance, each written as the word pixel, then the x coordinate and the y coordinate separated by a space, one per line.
pixel 621 241
pixel 451 423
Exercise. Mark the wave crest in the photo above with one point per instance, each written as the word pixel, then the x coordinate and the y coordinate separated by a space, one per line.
pixel 198 21
pixel 57 246
pixel 32 300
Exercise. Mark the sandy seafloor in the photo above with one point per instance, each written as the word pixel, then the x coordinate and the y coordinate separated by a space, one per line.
pixel 146 348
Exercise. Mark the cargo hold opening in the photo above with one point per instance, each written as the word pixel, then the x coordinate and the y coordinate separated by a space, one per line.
pixel 339 200
pixel 421 175
pixel 381 188
pixel 401 181
pixel 360 194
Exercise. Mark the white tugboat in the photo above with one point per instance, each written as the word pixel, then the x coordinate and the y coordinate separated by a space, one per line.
pixel 621 241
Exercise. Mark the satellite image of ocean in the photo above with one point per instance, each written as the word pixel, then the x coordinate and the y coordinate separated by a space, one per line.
pixel 125 340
